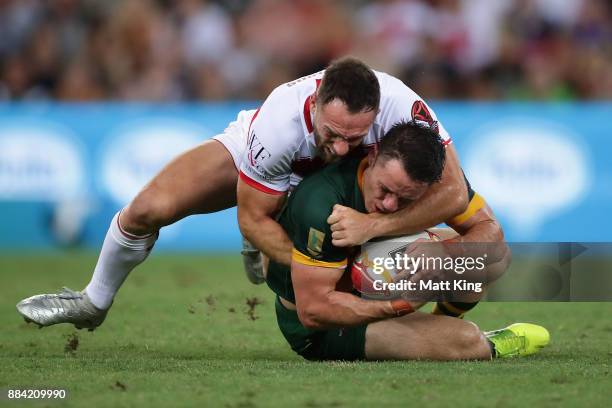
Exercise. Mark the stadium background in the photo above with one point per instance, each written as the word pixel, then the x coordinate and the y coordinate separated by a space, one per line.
pixel 95 96
pixel 98 95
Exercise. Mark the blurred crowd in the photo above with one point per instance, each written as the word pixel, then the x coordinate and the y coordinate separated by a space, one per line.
pixel 188 50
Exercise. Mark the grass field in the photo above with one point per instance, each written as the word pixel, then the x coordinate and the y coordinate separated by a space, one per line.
pixel 181 334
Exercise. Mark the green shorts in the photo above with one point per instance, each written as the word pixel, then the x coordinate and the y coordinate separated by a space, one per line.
pixel 335 344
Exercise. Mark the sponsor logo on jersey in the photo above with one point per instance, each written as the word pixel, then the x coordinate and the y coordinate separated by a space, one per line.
pixel 315 242
pixel 256 172
pixel 257 152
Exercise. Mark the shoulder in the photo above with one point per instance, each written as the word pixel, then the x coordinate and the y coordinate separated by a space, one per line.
pixel 398 102
pixel 281 116
pixel 279 111
pixel 315 196
pixel 394 93
pixel 336 178
pixel 309 207
pixel 275 134
pixel 286 102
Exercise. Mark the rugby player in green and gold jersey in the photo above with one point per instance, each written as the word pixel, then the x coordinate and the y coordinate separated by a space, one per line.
pixel 317 312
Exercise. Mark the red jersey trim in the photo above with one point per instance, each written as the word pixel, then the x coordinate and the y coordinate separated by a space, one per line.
pixel 259 186
pixel 307 118
pixel 253 119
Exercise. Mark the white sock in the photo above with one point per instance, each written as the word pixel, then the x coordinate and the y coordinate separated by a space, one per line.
pixel 121 252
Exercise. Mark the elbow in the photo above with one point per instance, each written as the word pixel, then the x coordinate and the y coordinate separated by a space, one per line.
pixel 501 252
pixel 247 223
pixel 460 201
pixel 496 237
pixel 311 324
pixel 496 270
pixel 461 204
pixel 310 318
pixel 497 231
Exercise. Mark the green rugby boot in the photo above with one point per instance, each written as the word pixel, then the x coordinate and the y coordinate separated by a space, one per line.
pixel 518 339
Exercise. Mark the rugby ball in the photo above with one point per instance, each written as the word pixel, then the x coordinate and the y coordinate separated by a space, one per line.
pixel 375 267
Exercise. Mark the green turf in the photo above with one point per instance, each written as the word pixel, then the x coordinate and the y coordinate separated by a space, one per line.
pixel 179 335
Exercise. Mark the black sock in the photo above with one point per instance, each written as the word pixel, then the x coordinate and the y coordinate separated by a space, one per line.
pixel 492 347
pixel 453 309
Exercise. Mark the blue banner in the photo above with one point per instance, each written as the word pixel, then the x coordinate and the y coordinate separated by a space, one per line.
pixel 65 169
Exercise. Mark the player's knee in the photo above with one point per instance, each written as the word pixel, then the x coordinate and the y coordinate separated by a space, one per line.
pixel 147 213
pixel 469 336
pixel 470 343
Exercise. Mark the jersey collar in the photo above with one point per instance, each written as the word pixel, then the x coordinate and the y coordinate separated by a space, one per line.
pixel 307 114
pixel 363 165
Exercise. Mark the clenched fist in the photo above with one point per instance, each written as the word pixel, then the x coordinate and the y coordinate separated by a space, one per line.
pixel 350 227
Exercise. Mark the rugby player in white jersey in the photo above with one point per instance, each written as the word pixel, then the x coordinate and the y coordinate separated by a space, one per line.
pixel 300 127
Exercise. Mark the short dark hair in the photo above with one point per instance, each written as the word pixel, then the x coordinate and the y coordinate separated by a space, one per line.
pixel 352 82
pixel 418 147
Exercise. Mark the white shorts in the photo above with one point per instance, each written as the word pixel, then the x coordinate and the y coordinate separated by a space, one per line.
pixel 234 137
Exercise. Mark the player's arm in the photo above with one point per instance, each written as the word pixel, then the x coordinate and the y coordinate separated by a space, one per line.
pixel 317 265
pixel 480 232
pixel 264 177
pixel 477 223
pixel 256 216
pixel 320 305
pixel 442 201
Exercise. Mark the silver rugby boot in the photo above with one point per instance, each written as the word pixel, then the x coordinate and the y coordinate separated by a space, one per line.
pixel 68 306
pixel 253 262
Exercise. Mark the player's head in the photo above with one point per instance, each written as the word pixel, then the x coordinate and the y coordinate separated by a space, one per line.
pixel 345 106
pixel 409 159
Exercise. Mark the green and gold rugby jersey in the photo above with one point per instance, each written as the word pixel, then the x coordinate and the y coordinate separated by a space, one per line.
pixel 305 220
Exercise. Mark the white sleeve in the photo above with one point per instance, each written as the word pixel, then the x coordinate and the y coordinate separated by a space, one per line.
pixel 403 104
pixel 271 144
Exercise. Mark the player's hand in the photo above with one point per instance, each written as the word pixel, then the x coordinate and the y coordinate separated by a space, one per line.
pixel 349 227
pixel 421 248
pixel 432 251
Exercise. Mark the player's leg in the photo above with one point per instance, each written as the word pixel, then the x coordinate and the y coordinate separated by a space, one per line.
pixel 423 336
pixel 200 180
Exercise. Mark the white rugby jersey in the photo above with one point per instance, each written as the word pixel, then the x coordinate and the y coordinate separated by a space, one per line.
pixel 281 145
